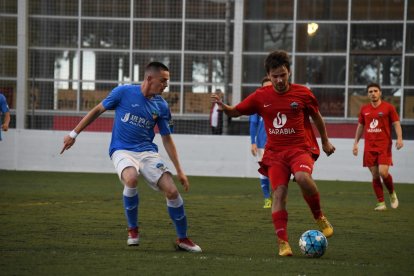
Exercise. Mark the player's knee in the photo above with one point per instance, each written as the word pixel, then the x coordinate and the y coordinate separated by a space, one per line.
pixel 129 177
pixel 171 194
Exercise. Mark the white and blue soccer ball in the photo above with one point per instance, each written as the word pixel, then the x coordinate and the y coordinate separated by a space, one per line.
pixel 313 243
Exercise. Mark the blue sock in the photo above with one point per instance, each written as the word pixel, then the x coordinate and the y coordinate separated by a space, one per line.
pixel 265 183
pixel 131 208
pixel 177 215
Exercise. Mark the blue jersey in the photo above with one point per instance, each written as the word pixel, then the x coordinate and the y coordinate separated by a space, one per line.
pixel 135 119
pixel 3 109
pixel 257 131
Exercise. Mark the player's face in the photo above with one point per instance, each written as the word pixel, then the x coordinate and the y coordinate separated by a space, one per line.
pixel 159 82
pixel 374 94
pixel 280 78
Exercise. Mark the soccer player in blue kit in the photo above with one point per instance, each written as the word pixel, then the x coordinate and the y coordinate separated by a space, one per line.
pixel 258 142
pixel 4 110
pixel 138 109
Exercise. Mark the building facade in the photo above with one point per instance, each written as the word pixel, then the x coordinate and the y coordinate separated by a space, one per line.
pixel 59 58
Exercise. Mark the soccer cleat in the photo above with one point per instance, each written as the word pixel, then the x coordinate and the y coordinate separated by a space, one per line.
pixel 394 200
pixel 381 206
pixel 267 203
pixel 284 248
pixel 187 245
pixel 133 237
pixel 325 226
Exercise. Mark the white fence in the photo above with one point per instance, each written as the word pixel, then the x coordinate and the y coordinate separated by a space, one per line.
pixel 203 155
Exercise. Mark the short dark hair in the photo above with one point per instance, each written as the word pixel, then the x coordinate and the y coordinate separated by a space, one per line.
pixel 156 66
pixel 373 84
pixel 265 79
pixel 277 59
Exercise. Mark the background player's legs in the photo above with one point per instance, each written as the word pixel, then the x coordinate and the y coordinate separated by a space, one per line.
pixel 265 185
pixel 389 184
pixel 377 186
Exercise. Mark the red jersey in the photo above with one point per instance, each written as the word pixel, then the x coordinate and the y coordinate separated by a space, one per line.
pixel 286 117
pixel 377 123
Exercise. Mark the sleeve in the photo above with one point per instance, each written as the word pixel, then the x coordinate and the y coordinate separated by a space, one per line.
pixel 249 105
pixel 393 114
pixel 253 128
pixel 164 122
pixel 312 105
pixel 113 98
pixel 361 118
pixel 3 104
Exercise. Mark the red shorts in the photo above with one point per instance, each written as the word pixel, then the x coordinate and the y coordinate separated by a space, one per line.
pixel 375 158
pixel 278 166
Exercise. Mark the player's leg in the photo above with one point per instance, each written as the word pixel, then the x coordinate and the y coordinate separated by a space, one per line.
pixel 377 187
pixel 175 206
pixel 126 167
pixel 279 178
pixel 389 184
pixel 302 167
pixel 159 177
pixel 312 197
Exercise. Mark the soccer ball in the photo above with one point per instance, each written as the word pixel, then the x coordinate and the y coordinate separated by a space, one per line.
pixel 313 243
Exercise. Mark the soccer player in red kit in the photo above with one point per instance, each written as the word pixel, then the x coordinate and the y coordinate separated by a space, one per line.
pixel 285 108
pixel 375 120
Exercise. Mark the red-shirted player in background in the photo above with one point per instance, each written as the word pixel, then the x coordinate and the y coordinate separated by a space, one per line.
pixel 285 109
pixel 375 120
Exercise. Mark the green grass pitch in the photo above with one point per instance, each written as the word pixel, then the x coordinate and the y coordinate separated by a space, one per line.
pixel 73 224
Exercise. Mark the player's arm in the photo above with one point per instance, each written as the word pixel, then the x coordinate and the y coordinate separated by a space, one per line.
pixel 358 135
pixel 169 146
pixel 230 111
pixel 327 147
pixel 398 132
pixel 253 135
pixel 94 113
pixel 6 122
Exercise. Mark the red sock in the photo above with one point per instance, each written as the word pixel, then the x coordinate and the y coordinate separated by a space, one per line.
pixel 280 219
pixel 314 204
pixel 389 183
pixel 376 184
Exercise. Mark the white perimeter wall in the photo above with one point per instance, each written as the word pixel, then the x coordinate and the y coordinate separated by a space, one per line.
pixel 202 155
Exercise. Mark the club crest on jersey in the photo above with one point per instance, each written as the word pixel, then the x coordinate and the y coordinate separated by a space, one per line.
pixel 155 114
pixel 381 114
pixel 294 105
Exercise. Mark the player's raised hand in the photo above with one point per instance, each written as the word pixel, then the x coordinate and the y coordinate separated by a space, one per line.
pixel 328 148
pixel 183 180
pixel 67 143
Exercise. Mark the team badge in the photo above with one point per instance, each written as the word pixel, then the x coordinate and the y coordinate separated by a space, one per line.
pixel 155 114
pixel 381 114
pixel 294 105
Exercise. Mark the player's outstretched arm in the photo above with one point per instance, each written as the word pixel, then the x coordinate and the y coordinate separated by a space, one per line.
pixel 230 111
pixel 398 131
pixel 358 135
pixel 327 147
pixel 169 146
pixel 70 139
